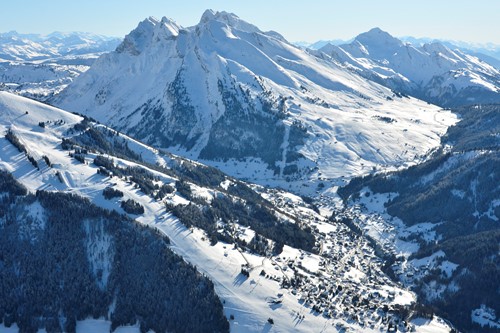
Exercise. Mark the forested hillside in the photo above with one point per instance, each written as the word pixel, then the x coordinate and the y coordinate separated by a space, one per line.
pixel 62 259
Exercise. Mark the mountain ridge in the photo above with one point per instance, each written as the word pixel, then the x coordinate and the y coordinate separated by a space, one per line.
pixel 488 52
pixel 432 72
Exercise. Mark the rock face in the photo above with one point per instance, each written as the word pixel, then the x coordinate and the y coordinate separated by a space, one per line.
pixel 432 72
pixel 224 90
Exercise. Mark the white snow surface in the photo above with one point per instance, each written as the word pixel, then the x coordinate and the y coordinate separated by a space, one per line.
pixel 353 124
pixel 247 299
pixel 485 316
pixel 435 325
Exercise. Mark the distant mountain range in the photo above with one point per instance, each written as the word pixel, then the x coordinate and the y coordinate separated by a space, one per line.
pixel 488 52
pixel 432 72
pixel 30 47
pixel 320 43
pixel 39 66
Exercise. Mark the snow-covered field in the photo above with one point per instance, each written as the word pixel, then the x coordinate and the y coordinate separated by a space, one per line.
pixel 486 317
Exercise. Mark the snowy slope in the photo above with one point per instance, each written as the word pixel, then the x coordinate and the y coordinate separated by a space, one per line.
pixel 344 260
pixel 433 72
pixel 252 104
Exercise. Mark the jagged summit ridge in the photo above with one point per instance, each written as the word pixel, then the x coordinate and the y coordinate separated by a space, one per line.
pixel 230 19
pixel 151 30
pixel 148 31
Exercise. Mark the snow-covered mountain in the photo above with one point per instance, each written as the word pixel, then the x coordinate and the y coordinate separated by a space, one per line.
pixel 432 72
pixel 253 243
pixel 252 104
pixel 489 52
pixel 38 66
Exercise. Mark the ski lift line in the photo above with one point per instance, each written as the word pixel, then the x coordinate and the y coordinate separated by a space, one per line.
pixel 29 151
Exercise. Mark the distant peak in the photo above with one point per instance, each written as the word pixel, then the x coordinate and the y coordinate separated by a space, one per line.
pixel 328 47
pixel 210 15
pixel 147 24
pixel 151 20
pixel 377 30
pixel 151 23
pixel 170 26
pixel 11 33
pixel 149 30
pixel 436 47
pixel 377 36
pixel 376 33
pixel 229 19
pixel 167 20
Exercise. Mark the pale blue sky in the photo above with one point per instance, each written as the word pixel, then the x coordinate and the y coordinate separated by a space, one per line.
pixel 311 20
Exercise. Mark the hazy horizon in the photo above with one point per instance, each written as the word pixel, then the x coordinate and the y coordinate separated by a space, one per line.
pixel 317 20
